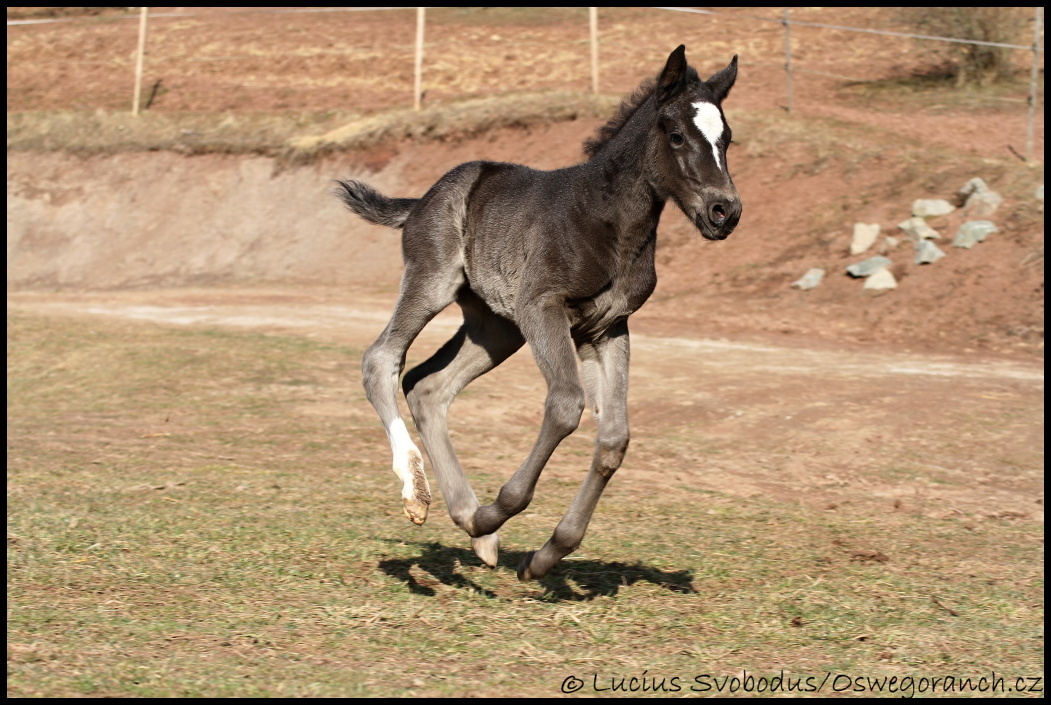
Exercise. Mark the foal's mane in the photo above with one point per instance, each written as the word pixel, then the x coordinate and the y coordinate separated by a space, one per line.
pixel 627 108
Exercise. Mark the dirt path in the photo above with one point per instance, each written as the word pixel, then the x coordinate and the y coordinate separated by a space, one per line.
pixel 864 431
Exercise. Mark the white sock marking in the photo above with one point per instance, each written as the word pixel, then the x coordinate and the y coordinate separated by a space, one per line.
pixel 710 122
pixel 402 447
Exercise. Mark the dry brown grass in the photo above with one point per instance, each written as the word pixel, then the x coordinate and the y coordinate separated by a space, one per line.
pixel 299 137
pixel 184 520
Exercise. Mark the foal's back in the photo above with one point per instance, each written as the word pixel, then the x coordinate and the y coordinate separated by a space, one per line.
pixel 523 231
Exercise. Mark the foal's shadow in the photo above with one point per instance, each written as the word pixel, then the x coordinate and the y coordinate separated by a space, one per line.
pixel 592 578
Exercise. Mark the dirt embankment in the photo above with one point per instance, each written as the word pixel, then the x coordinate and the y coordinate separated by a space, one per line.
pixel 141 212
pixel 158 219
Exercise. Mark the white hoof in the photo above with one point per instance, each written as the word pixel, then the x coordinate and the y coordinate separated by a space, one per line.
pixel 487 548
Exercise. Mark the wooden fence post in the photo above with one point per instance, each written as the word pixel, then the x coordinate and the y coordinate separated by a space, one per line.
pixel 593 22
pixel 788 57
pixel 421 13
pixel 1033 75
pixel 138 61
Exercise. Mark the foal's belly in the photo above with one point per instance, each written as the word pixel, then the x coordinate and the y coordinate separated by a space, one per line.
pixel 499 295
pixel 588 317
pixel 499 277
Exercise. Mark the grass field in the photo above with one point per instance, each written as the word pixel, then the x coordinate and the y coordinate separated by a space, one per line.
pixel 187 517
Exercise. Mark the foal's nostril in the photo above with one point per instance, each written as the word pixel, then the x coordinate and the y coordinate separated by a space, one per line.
pixel 718 214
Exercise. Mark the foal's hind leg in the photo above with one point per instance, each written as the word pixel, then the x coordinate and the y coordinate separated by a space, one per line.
pixel 483 342
pixel 605 373
pixel 423 295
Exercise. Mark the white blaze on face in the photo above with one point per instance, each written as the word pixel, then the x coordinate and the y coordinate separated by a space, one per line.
pixel 710 122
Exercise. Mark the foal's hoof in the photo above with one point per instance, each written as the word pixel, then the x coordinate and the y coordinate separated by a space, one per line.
pixel 487 548
pixel 416 506
pixel 523 568
pixel 415 510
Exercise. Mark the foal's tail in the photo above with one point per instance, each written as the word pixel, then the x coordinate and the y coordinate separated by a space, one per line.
pixel 372 205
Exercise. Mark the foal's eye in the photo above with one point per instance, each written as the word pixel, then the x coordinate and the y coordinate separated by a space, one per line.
pixel 675 138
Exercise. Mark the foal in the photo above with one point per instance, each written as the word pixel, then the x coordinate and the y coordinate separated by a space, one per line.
pixel 557 259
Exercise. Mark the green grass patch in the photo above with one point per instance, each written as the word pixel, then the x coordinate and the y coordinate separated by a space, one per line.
pixel 201 513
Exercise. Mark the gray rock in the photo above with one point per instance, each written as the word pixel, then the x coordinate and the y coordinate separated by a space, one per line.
pixel 811 279
pixel 917 229
pixel 978 199
pixel 930 207
pixel 972 232
pixel 864 235
pixel 927 252
pixel 883 279
pixel 869 266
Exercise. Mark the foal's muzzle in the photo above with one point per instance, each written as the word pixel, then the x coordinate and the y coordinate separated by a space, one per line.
pixel 719 218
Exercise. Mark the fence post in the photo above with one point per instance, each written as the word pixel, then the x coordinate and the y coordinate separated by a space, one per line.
pixel 138 61
pixel 788 57
pixel 418 88
pixel 593 22
pixel 1033 74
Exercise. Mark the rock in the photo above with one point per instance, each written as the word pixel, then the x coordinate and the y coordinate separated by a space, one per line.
pixel 869 266
pixel 864 235
pixel 972 232
pixel 930 207
pixel 917 229
pixel 927 252
pixel 978 199
pixel 811 279
pixel 883 279
pixel 889 244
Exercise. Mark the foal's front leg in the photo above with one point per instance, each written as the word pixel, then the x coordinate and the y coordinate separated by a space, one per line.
pixel 546 328
pixel 483 342
pixel 605 367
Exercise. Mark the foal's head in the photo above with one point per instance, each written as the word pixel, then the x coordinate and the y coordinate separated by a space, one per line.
pixel 688 145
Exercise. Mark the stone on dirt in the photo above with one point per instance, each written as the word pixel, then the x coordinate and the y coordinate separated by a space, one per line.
pixel 917 229
pixel 931 207
pixel 927 252
pixel 889 244
pixel 972 232
pixel 978 199
pixel 812 278
pixel 868 267
pixel 864 235
pixel 883 279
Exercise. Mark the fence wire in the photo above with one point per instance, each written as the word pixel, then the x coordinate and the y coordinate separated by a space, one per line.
pixel 790 66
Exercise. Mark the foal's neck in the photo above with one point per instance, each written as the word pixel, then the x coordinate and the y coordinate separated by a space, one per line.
pixel 622 161
pixel 621 172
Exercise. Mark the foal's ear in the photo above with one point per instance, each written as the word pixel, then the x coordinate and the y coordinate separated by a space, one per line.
pixel 722 82
pixel 673 77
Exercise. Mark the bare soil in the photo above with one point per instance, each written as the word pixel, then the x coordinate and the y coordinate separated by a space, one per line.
pixel 837 428
pixel 926 399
